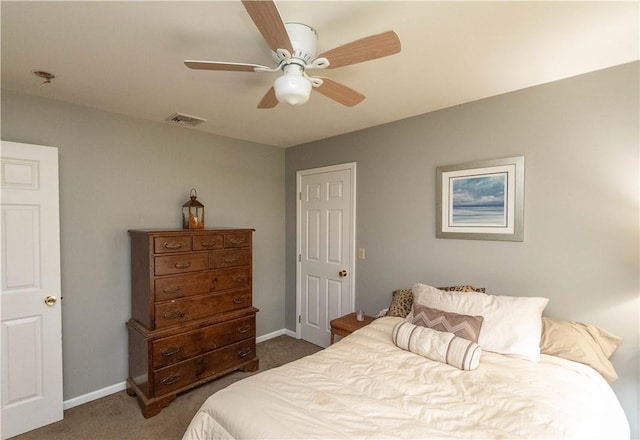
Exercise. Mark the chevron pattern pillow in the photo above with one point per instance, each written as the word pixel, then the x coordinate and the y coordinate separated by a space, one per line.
pixel 463 326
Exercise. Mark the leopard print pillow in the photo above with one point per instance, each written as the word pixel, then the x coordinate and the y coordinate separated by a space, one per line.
pixel 463 288
pixel 401 303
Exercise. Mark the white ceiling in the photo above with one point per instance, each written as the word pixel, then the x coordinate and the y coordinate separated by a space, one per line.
pixel 127 57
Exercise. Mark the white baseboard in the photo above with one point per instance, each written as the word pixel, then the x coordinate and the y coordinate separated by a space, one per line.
pixel 275 334
pixel 94 395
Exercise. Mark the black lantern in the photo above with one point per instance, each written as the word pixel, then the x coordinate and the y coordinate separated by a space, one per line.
pixel 193 212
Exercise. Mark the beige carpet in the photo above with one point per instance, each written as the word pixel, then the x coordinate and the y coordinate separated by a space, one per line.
pixel 118 416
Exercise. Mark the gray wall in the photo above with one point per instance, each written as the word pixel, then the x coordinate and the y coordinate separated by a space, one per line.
pixel 119 173
pixel 580 141
pixel 579 137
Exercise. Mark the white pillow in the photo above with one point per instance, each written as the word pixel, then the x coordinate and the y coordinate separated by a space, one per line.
pixel 512 325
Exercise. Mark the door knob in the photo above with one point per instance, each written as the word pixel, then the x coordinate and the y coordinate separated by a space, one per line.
pixel 343 273
pixel 50 300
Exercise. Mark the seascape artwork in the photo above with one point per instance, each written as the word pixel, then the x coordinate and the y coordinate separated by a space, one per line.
pixel 479 200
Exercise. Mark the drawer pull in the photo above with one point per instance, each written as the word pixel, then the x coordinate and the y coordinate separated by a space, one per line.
pixel 238 300
pixel 174 314
pixel 237 240
pixel 245 328
pixel 182 264
pixel 172 245
pixel 239 278
pixel 231 259
pixel 171 379
pixel 210 243
pixel 173 289
pixel 244 352
pixel 170 351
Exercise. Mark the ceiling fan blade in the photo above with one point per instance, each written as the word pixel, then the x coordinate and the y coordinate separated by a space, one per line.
pixel 269 100
pixel 215 65
pixel 365 49
pixel 339 92
pixel 266 17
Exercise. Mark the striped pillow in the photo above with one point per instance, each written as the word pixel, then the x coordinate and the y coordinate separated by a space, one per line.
pixel 437 346
pixel 463 326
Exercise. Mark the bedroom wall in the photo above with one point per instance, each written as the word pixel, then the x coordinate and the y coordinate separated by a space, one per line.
pixel 580 139
pixel 119 173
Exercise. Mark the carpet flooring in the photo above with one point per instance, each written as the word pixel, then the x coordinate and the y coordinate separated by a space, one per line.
pixel 118 416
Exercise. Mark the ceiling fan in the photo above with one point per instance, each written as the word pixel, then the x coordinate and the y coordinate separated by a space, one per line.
pixel 293 47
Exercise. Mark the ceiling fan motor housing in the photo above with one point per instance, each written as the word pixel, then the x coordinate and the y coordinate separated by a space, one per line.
pixel 304 40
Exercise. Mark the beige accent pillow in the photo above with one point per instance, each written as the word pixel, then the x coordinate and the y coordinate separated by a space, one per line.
pixel 512 325
pixel 463 326
pixel 584 343
pixel 437 346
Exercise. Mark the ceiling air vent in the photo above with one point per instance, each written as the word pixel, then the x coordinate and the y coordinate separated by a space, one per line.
pixel 185 120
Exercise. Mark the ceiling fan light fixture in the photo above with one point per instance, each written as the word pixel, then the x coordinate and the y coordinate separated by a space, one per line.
pixel 293 87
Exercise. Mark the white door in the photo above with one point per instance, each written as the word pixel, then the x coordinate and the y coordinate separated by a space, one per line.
pixel 326 245
pixel 31 328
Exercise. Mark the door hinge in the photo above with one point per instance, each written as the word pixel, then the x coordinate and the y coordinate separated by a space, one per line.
pixel 300 195
pixel 299 319
pixel 299 258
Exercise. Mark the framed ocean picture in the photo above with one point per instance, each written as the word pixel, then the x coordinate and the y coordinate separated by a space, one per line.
pixel 481 200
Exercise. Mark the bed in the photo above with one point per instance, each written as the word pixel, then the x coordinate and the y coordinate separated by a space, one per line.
pixel 366 386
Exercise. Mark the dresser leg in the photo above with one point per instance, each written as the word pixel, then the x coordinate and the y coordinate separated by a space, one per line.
pixel 154 406
pixel 252 366
pixel 149 406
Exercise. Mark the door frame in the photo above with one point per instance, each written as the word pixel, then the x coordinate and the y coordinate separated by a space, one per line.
pixel 350 166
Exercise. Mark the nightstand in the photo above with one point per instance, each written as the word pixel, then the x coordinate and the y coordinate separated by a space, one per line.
pixel 347 324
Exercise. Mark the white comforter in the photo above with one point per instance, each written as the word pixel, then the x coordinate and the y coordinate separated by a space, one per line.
pixel 366 387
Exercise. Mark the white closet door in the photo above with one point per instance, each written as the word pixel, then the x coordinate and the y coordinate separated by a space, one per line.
pixel 31 308
pixel 326 242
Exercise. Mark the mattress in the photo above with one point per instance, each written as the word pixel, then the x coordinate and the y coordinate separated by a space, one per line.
pixel 366 387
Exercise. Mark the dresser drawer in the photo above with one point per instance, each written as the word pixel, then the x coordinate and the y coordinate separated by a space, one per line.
pixel 163 245
pixel 197 307
pixel 237 239
pixel 233 278
pixel 229 258
pixel 170 264
pixel 187 372
pixel 183 285
pixel 207 242
pixel 176 348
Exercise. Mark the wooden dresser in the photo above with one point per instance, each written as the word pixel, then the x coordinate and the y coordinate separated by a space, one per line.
pixel 192 318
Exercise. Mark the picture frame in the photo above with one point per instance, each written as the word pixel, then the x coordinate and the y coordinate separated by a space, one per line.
pixel 481 200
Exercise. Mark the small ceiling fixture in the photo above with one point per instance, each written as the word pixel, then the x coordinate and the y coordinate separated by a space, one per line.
pixel 45 75
pixel 185 120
